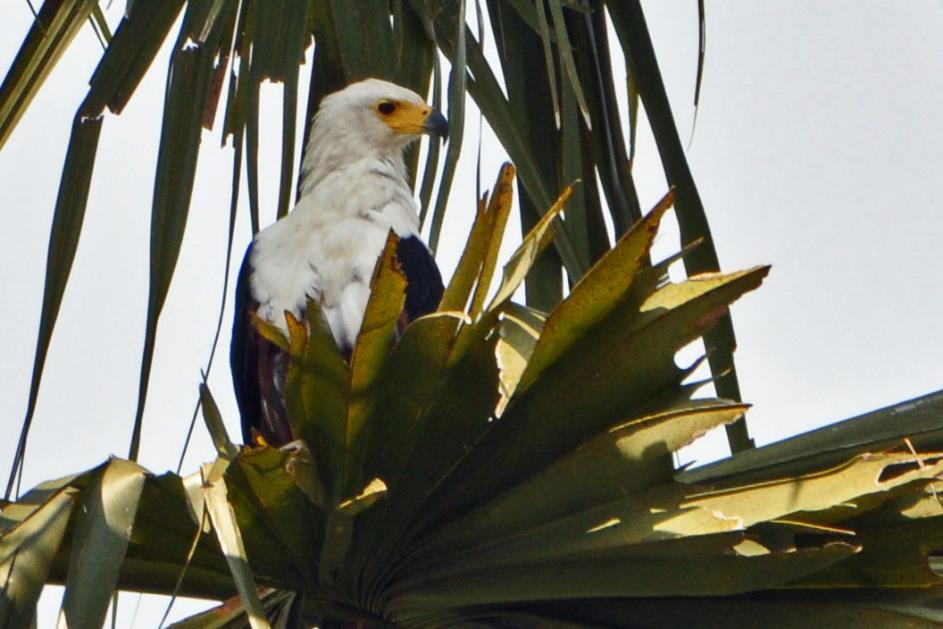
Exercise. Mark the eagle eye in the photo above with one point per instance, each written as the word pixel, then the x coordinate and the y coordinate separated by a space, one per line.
pixel 386 107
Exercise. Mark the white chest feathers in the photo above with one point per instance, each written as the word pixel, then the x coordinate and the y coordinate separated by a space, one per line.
pixel 327 247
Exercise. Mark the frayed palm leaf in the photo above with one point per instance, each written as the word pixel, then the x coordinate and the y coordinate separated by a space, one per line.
pixel 498 466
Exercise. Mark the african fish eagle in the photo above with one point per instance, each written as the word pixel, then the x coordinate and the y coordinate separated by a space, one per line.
pixel 353 192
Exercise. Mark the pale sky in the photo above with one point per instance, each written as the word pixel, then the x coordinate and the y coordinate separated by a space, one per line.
pixel 818 149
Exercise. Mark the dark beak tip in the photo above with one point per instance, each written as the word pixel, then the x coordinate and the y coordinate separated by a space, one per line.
pixel 437 125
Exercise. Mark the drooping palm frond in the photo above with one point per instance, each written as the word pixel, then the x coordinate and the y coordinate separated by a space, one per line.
pixel 560 96
pixel 519 474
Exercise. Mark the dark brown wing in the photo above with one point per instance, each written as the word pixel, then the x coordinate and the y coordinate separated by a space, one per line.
pixel 258 371
pixel 424 286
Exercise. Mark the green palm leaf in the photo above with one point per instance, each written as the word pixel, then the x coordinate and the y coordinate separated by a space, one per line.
pixel 498 464
pixel 467 495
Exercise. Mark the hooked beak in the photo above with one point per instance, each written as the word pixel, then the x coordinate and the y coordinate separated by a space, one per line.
pixel 436 124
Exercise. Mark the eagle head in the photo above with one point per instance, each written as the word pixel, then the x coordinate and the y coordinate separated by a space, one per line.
pixel 378 114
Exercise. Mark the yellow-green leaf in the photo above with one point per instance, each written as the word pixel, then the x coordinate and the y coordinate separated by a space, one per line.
pixel 597 293
pixel 26 555
pixel 374 342
pixel 476 265
pixel 227 532
pixel 515 270
pixel 102 531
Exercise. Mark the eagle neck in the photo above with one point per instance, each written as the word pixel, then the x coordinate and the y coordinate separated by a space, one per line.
pixel 329 151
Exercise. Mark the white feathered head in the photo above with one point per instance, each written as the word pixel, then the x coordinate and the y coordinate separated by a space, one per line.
pixel 370 118
pixel 378 113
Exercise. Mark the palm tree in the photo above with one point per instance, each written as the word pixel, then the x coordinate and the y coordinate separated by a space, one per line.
pixel 526 477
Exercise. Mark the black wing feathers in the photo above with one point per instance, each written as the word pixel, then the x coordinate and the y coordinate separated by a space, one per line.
pixel 424 286
pixel 258 371
pixel 244 353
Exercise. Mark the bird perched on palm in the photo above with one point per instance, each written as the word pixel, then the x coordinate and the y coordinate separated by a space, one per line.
pixel 353 192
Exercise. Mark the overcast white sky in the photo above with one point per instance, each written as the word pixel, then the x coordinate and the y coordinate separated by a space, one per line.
pixel 818 149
